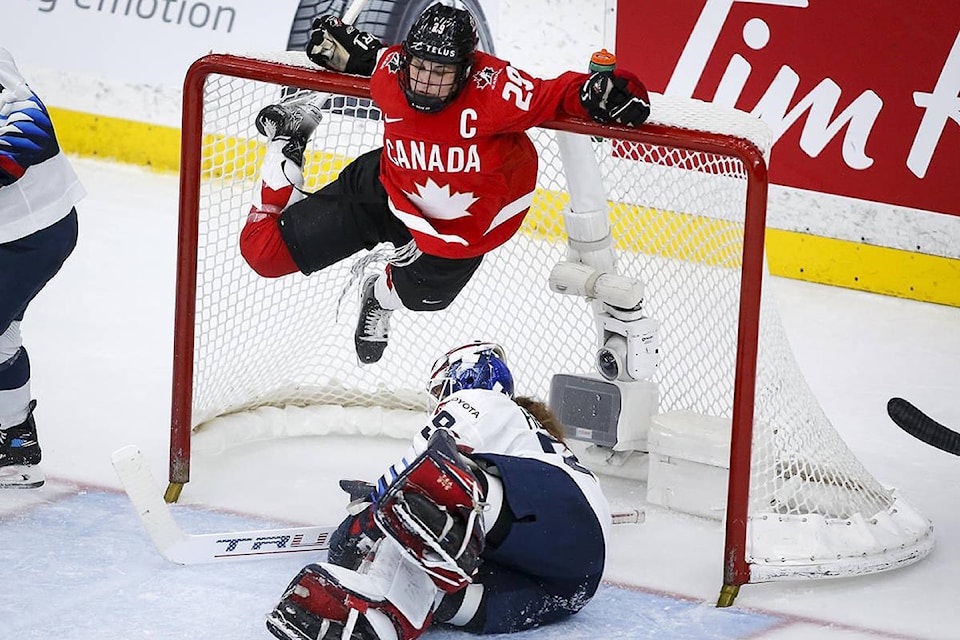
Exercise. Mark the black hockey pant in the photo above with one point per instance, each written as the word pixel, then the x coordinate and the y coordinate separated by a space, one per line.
pixel 351 214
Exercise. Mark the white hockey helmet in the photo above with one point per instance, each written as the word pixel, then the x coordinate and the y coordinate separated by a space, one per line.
pixel 478 365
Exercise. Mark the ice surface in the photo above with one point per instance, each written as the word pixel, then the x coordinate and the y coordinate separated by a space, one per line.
pixel 78 566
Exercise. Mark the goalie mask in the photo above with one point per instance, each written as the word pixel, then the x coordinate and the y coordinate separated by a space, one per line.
pixel 480 365
pixel 436 57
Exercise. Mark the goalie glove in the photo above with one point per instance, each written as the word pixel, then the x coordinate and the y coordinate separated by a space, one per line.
pixel 358 533
pixel 433 510
pixel 615 96
pixel 342 47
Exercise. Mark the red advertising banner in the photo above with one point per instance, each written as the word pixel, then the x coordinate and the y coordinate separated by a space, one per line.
pixel 863 95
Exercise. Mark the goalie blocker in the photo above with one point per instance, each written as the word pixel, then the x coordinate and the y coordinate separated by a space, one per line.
pixel 392 600
pixel 433 511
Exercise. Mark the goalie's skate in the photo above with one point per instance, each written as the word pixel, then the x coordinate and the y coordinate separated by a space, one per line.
pixel 373 326
pixel 294 122
pixel 20 454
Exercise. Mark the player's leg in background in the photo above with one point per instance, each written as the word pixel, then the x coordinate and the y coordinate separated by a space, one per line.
pixel 345 216
pixel 431 283
pixel 26 265
pixel 425 283
pixel 287 128
pixel 288 230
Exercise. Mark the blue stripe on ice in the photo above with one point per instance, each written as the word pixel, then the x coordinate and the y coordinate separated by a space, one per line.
pixel 82 568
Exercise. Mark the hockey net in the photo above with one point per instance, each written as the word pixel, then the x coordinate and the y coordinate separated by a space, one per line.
pixel 687 202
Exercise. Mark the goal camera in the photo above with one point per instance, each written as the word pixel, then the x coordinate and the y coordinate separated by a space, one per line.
pixel 630 349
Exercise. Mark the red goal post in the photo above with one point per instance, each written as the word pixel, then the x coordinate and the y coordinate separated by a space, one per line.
pixel 687 199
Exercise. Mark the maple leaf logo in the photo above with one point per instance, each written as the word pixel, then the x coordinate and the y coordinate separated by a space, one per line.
pixel 392 63
pixel 486 77
pixel 439 203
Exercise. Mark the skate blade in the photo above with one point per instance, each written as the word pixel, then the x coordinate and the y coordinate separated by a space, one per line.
pixel 21 477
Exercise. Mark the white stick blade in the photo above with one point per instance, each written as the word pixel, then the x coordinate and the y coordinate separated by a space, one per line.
pixel 147 499
pixel 182 548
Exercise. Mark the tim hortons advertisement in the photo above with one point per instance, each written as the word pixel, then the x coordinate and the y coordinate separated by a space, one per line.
pixel 863 95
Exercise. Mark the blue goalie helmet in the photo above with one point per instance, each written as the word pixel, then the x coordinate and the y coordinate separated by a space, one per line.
pixel 479 365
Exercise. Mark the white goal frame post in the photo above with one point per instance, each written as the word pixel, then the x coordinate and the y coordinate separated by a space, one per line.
pixel 822 513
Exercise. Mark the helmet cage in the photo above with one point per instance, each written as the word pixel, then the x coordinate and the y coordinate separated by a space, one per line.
pixel 479 365
pixel 441 35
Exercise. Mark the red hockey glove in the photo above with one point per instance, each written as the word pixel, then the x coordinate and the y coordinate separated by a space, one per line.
pixel 615 96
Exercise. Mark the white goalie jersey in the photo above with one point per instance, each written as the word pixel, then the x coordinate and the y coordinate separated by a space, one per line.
pixel 489 422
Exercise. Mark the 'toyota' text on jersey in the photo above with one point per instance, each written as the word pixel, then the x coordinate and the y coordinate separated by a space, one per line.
pixel 462 179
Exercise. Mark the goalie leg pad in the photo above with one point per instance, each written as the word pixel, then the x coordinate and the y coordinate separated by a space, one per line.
pixel 315 609
pixel 433 511
pixel 392 600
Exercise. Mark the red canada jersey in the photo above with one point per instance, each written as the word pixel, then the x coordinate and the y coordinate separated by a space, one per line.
pixel 462 179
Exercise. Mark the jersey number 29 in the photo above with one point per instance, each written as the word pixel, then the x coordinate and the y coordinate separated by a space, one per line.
pixel 518 88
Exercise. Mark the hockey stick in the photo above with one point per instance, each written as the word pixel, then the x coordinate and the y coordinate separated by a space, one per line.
pixel 923 427
pixel 350 15
pixel 182 548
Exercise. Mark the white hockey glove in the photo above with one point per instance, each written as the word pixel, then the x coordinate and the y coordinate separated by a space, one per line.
pixel 615 96
pixel 342 47
pixel 390 598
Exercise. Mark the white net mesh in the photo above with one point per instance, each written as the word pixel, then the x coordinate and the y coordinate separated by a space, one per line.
pixel 678 223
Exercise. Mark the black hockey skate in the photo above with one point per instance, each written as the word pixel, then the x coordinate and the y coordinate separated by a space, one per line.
pixel 373 326
pixel 19 454
pixel 294 122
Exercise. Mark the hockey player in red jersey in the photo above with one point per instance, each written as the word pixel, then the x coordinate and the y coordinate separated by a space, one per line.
pixel 453 180
pixel 488 524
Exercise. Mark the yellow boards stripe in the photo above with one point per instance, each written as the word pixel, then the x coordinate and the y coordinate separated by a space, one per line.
pixel 793 255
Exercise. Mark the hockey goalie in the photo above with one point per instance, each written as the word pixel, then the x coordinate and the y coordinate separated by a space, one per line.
pixel 489 524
